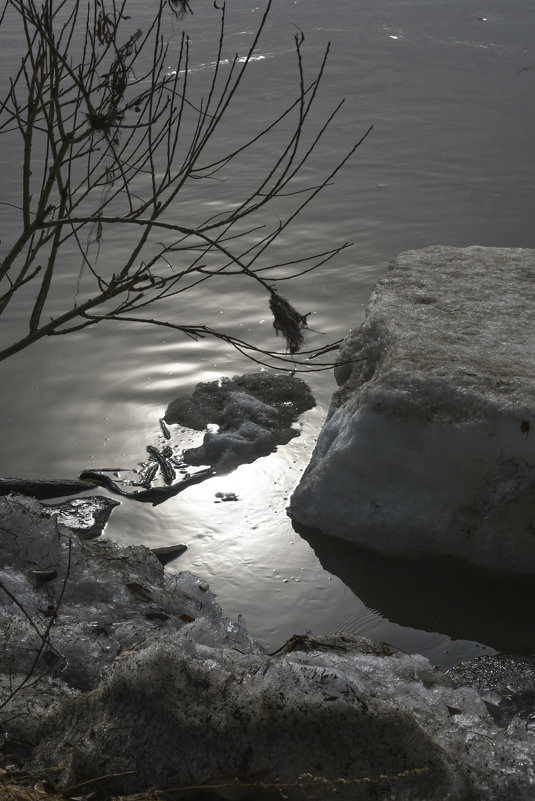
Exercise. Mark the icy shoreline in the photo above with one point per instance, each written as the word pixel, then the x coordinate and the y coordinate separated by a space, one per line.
pixel 142 673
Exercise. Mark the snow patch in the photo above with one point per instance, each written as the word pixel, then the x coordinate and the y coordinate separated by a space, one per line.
pixel 246 417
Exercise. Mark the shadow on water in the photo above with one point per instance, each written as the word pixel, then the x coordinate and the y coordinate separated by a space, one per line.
pixel 435 594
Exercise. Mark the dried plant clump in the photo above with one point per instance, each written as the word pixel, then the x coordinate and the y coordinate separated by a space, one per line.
pixel 288 322
pixel 103 122
pixel 181 7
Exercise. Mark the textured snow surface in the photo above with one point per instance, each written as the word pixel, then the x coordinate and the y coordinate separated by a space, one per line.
pixel 428 447
pixel 141 679
pixel 368 724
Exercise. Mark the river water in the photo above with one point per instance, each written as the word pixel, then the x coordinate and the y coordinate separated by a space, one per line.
pixel 448 89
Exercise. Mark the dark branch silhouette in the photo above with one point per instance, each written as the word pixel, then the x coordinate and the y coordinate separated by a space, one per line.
pixel 110 139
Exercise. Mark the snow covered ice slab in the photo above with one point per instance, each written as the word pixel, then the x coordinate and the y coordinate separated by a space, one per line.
pixel 429 443
pixel 332 718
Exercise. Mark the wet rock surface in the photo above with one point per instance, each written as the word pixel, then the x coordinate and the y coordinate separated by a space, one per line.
pixel 428 447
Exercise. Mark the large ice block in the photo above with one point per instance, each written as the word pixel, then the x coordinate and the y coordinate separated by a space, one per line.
pixel 429 444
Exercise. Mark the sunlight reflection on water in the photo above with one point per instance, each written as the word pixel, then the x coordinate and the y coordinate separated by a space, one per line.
pixel 450 161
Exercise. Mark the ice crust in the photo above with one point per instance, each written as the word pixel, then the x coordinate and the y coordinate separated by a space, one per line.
pixel 254 412
pixel 142 673
pixel 506 684
pixel 87 516
pixel 112 598
pixel 368 725
pixel 427 447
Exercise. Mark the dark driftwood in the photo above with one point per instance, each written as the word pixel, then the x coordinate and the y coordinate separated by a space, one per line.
pixel 169 552
pixel 155 495
pixel 44 488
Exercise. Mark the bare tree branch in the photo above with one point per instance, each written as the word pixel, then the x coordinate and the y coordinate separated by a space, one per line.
pixel 110 137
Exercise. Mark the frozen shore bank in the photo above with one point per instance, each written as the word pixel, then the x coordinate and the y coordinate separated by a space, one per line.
pixel 141 675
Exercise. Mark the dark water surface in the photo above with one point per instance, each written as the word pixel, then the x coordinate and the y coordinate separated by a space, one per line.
pixel 450 161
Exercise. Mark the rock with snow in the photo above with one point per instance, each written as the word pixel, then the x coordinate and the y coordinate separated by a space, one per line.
pixel 253 413
pixel 429 444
